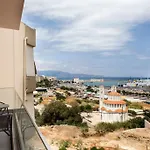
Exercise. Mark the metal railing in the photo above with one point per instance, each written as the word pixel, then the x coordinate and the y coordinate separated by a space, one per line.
pixel 30 137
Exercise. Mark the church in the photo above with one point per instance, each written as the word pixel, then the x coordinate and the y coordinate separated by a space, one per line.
pixel 112 107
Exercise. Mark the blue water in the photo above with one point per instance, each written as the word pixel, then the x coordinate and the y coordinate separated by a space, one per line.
pixel 106 83
pixel 110 81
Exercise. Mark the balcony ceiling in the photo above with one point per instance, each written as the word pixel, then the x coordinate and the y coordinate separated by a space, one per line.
pixel 10 13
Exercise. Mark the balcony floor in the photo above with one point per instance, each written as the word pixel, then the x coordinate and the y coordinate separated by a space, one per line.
pixel 4 141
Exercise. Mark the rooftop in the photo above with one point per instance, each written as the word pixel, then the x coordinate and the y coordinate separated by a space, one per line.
pixel 114 111
pixel 114 102
pixel 114 94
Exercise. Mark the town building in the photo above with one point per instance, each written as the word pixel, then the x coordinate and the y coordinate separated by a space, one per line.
pixel 76 80
pixel 52 78
pixel 39 78
pixel 112 108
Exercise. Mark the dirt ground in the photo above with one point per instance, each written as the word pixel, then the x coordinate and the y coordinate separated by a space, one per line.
pixel 135 139
pixel 146 106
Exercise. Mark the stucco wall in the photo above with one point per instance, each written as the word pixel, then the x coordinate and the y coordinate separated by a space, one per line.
pixel 114 117
pixel 6 58
pixel 19 59
pixel 28 103
pixel 13 67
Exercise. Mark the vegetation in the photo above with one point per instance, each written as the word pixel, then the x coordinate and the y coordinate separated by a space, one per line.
pixel 84 129
pixel 47 83
pixel 132 112
pixel 72 102
pixel 64 145
pixel 58 113
pixel 133 93
pixel 86 108
pixel 89 89
pixel 44 83
pixel 37 117
pixel 40 100
pixel 60 97
pixel 95 148
pixel 147 115
pixel 68 89
pixel 103 128
pixel 134 105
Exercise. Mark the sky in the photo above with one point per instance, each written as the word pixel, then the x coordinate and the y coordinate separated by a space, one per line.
pixel 100 37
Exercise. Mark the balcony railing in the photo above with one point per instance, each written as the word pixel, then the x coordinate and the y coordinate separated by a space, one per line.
pixel 28 132
pixel 25 133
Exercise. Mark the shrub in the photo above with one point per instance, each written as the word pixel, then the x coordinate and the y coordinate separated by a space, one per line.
pixel 60 97
pixel 103 128
pixel 64 145
pixel 82 108
pixel 79 145
pixel 40 100
pixel 84 130
pixel 132 112
pixel 79 101
pixel 95 148
pixel 37 117
pixel 88 108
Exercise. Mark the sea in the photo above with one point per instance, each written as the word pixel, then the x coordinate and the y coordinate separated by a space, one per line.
pixel 110 81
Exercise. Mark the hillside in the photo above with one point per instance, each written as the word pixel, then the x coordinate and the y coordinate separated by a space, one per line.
pixel 67 75
pixel 134 139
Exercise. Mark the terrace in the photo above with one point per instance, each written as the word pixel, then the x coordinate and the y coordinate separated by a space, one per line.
pixel 25 134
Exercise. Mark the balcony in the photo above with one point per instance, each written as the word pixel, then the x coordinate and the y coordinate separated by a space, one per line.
pixel 25 133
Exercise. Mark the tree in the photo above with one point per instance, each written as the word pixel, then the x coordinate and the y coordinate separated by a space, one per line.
pixel 58 113
pixel 88 108
pixel 89 89
pixel 60 96
pixel 132 112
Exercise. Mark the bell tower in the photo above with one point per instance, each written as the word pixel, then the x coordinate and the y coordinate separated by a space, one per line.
pixel 113 89
pixel 101 97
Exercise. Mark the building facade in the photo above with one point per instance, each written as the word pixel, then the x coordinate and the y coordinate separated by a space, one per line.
pixel 112 108
pixel 17 78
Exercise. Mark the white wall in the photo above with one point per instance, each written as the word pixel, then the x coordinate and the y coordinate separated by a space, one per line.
pixel 114 117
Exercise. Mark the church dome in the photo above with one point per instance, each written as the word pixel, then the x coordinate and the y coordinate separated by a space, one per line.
pixel 114 94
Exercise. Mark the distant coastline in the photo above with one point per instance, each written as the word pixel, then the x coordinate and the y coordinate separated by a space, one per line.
pixel 69 76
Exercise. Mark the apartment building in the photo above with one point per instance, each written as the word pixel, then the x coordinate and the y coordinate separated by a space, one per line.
pixel 17 67
pixel 18 130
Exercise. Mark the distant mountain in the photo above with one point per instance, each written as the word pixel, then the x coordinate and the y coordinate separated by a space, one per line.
pixel 66 75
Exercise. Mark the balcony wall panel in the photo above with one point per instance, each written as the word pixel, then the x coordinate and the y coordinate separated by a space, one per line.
pixel 6 58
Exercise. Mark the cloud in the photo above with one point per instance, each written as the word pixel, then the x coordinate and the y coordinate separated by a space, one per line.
pixel 46 65
pixel 142 57
pixel 89 25
pixel 107 54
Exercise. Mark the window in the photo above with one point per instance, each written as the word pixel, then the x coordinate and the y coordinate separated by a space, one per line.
pixel 30 68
